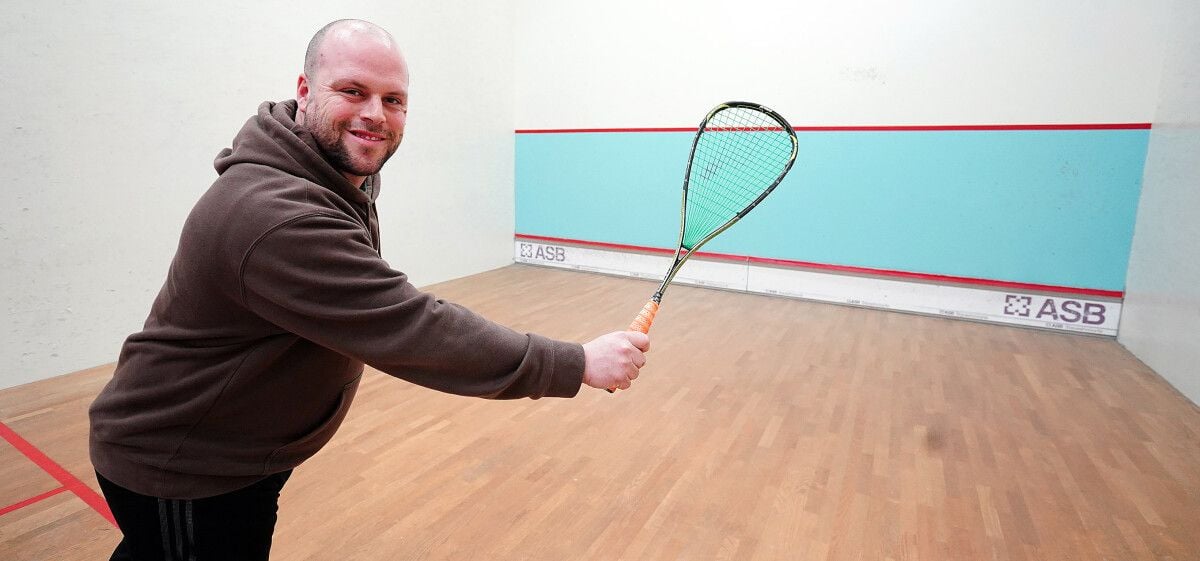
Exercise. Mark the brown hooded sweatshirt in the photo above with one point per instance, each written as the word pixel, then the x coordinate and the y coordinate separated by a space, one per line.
pixel 277 295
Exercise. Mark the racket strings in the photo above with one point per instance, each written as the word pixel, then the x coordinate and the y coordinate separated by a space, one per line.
pixel 739 155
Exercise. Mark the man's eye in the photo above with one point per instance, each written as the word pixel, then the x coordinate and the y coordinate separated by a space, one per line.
pixel 352 91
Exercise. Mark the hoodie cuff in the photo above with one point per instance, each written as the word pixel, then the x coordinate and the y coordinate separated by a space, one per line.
pixel 565 366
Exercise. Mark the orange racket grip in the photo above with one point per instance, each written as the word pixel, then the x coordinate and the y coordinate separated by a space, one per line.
pixel 645 317
pixel 642 323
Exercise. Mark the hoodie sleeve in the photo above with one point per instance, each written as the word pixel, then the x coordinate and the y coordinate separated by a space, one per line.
pixel 317 276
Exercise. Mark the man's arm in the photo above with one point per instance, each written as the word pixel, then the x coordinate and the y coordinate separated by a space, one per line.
pixel 319 278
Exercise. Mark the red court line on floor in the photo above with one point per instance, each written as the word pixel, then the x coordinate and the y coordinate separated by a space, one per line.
pixel 68 481
pixel 882 128
pixel 1012 285
pixel 31 500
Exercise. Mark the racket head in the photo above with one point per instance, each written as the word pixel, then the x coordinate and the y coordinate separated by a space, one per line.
pixel 741 152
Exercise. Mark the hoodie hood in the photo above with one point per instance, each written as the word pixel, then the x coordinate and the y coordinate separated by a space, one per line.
pixel 273 139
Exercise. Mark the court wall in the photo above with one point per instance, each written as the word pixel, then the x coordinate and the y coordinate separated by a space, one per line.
pixel 995 146
pixel 1161 324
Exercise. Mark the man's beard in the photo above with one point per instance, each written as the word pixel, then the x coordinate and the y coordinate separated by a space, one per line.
pixel 333 146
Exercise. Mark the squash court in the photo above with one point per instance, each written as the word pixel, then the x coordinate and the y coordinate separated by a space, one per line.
pixel 963 326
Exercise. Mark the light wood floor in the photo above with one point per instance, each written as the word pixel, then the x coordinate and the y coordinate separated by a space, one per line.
pixel 762 428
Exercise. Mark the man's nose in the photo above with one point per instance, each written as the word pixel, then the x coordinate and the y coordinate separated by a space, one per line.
pixel 372 109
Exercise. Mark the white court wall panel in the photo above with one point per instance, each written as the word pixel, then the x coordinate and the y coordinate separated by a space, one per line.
pixel 1161 324
pixel 633 63
pixel 112 112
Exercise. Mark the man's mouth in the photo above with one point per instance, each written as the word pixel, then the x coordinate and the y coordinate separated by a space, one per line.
pixel 368 136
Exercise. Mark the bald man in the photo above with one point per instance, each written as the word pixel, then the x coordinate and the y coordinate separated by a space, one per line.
pixel 276 297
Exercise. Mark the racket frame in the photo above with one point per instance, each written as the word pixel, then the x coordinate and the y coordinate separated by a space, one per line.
pixel 680 256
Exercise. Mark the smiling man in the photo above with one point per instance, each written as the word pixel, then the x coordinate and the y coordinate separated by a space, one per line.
pixel 353 97
pixel 277 296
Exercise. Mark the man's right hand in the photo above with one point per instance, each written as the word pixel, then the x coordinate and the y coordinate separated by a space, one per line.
pixel 613 360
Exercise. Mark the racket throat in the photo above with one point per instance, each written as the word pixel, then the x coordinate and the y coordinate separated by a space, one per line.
pixel 658 294
pixel 681 255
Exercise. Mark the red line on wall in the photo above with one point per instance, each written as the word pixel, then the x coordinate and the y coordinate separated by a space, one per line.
pixel 31 500
pixel 68 481
pixel 1052 127
pixel 928 277
pixel 880 128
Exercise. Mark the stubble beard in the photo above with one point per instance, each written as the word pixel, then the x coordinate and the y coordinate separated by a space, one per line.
pixel 333 146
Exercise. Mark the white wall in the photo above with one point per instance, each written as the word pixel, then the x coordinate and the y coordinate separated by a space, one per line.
pixel 633 63
pixel 1161 321
pixel 111 114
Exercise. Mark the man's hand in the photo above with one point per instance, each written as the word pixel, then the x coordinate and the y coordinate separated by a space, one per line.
pixel 613 360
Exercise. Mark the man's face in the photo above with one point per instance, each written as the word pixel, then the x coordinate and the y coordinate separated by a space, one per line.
pixel 356 104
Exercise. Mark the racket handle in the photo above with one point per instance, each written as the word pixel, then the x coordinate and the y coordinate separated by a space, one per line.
pixel 645 317
pixel 642 323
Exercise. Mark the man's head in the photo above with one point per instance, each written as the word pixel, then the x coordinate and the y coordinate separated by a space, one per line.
pixel 353 96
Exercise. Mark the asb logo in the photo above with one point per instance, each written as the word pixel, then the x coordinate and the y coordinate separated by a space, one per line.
pixel 543 252
pixel 1017 305
pixel 1055 309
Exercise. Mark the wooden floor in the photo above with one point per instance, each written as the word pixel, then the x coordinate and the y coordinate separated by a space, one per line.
pixel 761 428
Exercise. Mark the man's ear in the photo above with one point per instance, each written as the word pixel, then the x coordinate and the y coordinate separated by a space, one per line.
pixel 301 94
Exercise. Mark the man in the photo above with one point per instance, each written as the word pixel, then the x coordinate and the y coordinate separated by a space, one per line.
pixel 276 298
